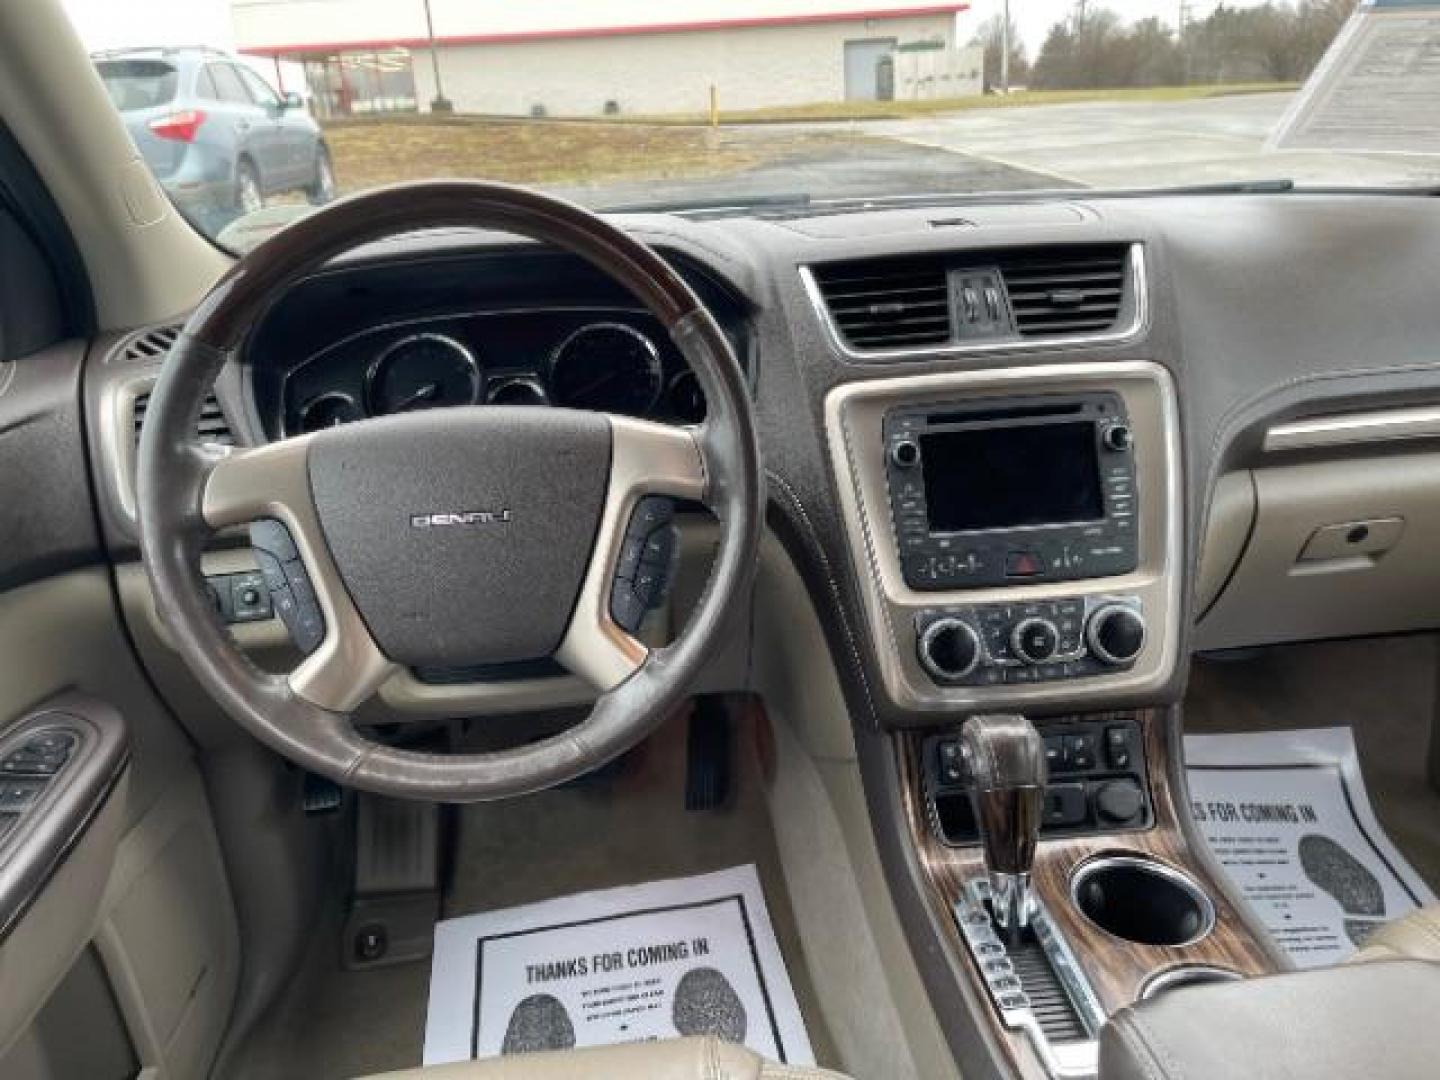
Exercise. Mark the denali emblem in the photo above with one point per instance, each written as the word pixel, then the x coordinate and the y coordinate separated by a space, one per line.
pixel 469 517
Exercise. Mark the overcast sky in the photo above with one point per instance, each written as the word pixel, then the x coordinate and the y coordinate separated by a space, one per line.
pixel 1033 18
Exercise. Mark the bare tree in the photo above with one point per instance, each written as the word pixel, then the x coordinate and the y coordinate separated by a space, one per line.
pixel 991 35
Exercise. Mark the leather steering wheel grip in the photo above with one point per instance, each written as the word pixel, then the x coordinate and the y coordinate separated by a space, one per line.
pixel 174 470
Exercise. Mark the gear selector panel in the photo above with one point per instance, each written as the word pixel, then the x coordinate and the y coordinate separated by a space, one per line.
pixel 1096 781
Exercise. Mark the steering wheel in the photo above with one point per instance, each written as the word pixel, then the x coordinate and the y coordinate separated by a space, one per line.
pixel 447 537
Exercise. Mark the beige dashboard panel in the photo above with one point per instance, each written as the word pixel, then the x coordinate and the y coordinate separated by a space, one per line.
pixel 1301 579
pixel 1232 515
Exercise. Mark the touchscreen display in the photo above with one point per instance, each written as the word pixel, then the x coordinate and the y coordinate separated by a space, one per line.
pixel 998 478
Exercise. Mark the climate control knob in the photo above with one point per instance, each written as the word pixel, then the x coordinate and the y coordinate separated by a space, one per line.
pixel 1116 634
pixel 949 649
pixel 1035 640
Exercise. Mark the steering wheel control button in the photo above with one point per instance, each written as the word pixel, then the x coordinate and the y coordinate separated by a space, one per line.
pixel 249 597
pixel 626 607
pixel 270 535
pixel 647 557
pixel 284 584
pixel 1035 640
pixel 1116 634
pixel 949 649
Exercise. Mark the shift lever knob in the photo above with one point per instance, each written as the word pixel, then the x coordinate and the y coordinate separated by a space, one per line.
pixel 1006 759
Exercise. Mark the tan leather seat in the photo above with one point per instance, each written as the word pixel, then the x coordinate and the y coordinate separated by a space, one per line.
pixel 675 1059
pixel 1414 937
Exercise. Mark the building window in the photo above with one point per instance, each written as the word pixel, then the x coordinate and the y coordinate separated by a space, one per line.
pixel 361 83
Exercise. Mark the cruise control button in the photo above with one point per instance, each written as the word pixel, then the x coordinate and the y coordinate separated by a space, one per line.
pixel 626 608
pixel 270 569
pixel 270 535
pixel 651 512
pixel 659 547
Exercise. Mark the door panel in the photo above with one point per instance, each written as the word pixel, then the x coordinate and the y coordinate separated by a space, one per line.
pixel 862 67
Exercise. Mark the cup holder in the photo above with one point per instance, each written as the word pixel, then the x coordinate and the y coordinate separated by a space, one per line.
pixel 1142 900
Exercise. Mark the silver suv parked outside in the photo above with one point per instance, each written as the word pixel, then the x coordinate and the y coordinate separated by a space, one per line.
pixel 217 136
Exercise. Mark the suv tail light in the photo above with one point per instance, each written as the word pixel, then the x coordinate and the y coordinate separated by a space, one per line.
pixel 180 125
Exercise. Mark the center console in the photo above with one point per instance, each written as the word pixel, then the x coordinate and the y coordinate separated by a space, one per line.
pixel 1016 532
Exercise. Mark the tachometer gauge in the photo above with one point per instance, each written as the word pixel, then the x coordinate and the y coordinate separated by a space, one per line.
pixel 608 367
pixel 424 371
pixel 327 411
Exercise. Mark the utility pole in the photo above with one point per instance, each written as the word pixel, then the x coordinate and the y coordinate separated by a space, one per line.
pixel 1182 22
pixel 439 103
pixel 1005 51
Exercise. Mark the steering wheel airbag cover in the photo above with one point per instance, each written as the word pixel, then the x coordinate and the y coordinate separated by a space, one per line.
pixel 463 534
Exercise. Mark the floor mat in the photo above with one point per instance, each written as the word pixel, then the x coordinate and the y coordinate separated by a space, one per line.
pixel 1287 815
pixel 686 956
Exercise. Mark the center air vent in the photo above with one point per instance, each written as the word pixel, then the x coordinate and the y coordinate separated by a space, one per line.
pixel 888 303
pixel 212 427
pixel 911 303
pixel 1064 291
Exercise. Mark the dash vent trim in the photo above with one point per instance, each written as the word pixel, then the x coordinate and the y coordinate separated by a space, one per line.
pixel 211 426
pixel 1057 295
pixel 147 346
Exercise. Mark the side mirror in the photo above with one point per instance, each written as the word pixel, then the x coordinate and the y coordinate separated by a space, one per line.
pixel 293 100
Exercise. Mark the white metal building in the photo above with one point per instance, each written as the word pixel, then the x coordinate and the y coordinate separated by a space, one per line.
pixel 590 57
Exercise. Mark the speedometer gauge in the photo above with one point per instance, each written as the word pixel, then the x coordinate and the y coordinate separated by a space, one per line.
pixel 423 371
pixel 608 367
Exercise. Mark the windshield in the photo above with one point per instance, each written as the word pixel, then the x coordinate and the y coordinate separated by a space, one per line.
pixel 265 108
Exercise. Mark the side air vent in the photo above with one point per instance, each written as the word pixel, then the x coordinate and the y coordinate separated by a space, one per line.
pixel 1066 290
pixel 149 345
pixel 888 303
pixel 985 299
pixel 213 427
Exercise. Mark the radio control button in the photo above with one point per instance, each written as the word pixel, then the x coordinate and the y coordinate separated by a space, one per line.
pixel 1035 640
pixel 1118 437
pixel 905 453
pixel 949 649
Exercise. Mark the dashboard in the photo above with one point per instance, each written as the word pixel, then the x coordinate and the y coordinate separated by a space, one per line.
pixel 378 338
pixel 1273 478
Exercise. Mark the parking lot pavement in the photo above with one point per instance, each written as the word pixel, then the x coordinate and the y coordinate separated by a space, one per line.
pixel 1092 145
pixel 1153 144
pixel 853 165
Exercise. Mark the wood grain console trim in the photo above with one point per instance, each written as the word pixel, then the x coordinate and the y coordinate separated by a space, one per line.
pixel 1117 969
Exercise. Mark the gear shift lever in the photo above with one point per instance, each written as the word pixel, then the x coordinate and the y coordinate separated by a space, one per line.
pixel 1006 759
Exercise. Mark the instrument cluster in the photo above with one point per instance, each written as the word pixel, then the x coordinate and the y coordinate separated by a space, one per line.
pixel 602 359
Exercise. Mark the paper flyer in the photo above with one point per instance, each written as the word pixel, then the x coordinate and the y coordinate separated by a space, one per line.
pixel 1287 816
pixel 689 956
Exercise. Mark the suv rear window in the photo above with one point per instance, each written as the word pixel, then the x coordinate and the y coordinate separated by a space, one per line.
pixel 138 84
